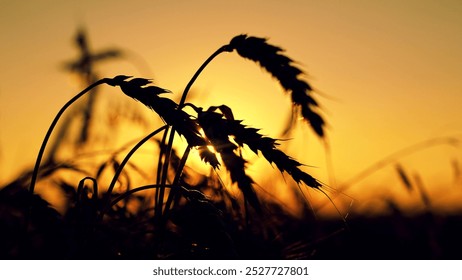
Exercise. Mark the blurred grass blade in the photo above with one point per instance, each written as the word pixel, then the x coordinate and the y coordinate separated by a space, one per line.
pixel 404 178
pixel 423 193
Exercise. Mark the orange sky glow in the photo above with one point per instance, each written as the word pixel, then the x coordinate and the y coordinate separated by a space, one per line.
pixel 387 74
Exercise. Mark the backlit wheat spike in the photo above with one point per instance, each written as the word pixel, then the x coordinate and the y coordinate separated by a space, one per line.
pixel 268 147
pixel 139 89
pixel 282 68
pixel 216 125
pixel 211 123
pixel 208 157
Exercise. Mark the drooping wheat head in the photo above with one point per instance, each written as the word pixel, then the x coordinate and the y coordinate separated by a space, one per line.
pixel 281 67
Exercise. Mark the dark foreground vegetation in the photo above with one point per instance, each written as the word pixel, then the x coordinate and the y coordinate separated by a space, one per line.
pixel 207 230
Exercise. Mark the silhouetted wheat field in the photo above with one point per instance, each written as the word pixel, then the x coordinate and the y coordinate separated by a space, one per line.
pixel 187 214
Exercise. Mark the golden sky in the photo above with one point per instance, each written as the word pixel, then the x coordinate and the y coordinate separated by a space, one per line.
pixel 388 72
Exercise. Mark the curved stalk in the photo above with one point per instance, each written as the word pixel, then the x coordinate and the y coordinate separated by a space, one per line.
pixel 225 48
pixel 395 156
pixel 168 151
pixel 82 185
pixel 160 167
pixel 124 162
pixel 132 191
pixel 52 126
pixel 176 180
pixel 161 155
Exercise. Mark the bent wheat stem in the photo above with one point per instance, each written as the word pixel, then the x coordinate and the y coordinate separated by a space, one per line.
pixel 168 151
pixel 225 48
pixel 122 165
pixel 176 180
pixel 132 191
pixel 52 126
